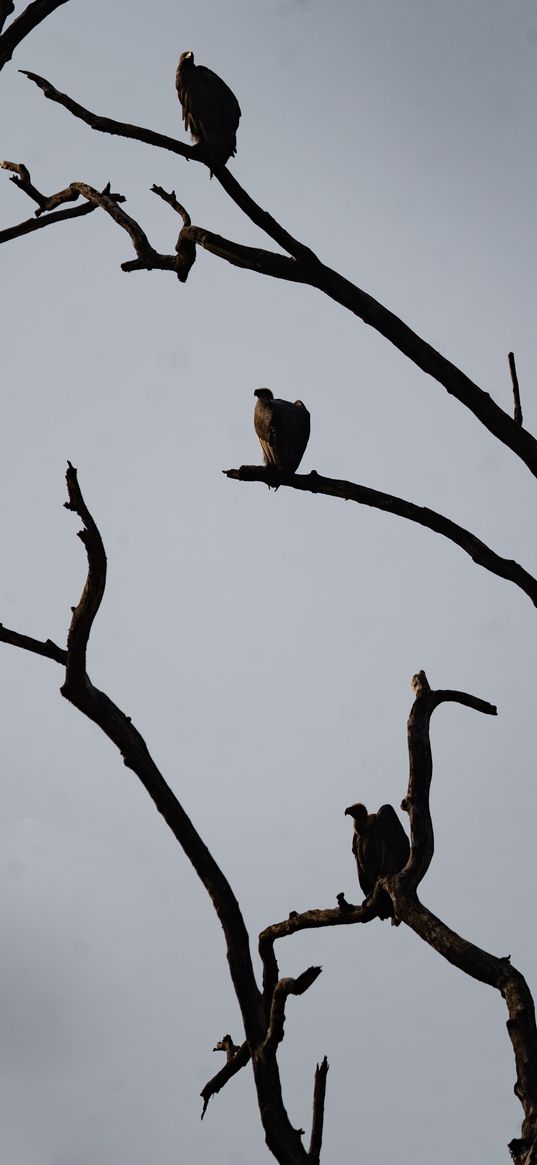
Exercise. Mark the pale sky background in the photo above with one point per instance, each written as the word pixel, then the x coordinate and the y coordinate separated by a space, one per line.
pixel 264 642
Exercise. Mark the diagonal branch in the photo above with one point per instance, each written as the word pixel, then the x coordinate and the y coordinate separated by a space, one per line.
pixel 231 1067
pixel 308 269
pixel 6 8
pixel 260 217
pixel 312 482
pixel 282 1139
pixel 22 25
pixel 49 649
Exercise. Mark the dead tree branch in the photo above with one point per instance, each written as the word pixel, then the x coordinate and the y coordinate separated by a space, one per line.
pixel 312 482
pixel 46 203
pixel 22 25
pixel 319 1094
pixel 283 989
pixel 307 268
pixel 472 960
pixel 233 1065
pixel 147 258
pixel 517 416
pixel 282 1139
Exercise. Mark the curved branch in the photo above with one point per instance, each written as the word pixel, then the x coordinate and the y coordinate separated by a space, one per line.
pixel 283 989
pixel 282 1139
pixel 312 482
pixel 498 973
pixel 22 25
pixel 416 801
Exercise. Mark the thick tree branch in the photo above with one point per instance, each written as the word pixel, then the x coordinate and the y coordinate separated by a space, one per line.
pixel 319 1094
pixel 22 25
pixel 312 482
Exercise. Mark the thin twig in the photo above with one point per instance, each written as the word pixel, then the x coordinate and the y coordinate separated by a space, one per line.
pixel 516 390
pixel 312 482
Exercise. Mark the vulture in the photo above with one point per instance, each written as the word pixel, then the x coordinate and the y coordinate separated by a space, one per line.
pixel 283 428
pixel 380 846
pixel 210 110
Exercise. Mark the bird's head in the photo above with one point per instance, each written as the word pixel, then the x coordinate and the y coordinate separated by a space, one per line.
pixel 264 394
pixel 187 58
pixel 358 812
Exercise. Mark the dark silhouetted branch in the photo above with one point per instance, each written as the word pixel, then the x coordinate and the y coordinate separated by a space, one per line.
pixel 416 801
pixel 46 212
pixel 26 643
pixel 313 483
pixel 260 217
pixel 283 1140
pixel 22 25
pixel 319 1094
pixel 86 610
pixel 283 989
pixel 344 915
pixel 308 269
pixel 472 960
pixel 109 125
pixel 233 1064
pixel 517 417
pixel 6 8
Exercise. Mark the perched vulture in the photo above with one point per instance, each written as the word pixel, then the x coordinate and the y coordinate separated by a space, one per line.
pixel 380 846
pixel 210 110
pixel 283 428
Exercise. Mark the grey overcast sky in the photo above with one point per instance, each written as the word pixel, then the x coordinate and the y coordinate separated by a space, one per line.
pixel 264 642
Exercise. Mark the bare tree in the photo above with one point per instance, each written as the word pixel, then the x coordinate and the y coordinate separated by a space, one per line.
pixel 263 1005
